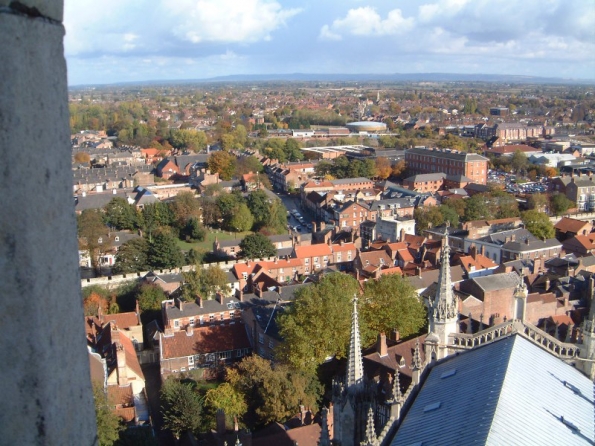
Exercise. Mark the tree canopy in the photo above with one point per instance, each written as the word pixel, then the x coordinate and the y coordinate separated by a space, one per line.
pixel 132 257
pixel 318 325
pixel 538 224
pixel 223 163
pixel 273 393
pixel 257 246
pixel 181 407
pixel 109 425
pixel 120 214
pixel 204 282
pixel 164 251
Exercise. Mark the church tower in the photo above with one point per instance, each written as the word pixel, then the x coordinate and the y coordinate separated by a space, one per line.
pixel 442 311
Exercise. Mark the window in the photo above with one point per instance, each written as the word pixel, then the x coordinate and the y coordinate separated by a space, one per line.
pixel 177 323
pixel 225 355
pixel 210 357
pixel 231 314
pixel 307 261
pixel 245 276
pixel 201 320
pixel 116 238
pixel 191 321
pixel 190 360
pixel 239 353
pixel 222 315
pixel 211 318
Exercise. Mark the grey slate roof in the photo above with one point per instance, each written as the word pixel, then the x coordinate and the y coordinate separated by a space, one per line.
pixel 533 245
pixel 509 392
pixel 496 282
pixel 423 177
pixel 448 154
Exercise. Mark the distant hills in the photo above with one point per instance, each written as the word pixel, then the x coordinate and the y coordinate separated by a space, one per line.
pixel 396 77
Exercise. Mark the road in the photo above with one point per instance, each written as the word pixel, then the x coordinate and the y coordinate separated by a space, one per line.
pixel 292 203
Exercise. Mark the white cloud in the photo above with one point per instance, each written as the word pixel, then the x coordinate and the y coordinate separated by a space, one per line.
pixel 365 21
pixel 227 20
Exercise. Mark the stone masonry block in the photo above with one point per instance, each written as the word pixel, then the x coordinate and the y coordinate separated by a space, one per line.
pixel 45 386
pixel 52 9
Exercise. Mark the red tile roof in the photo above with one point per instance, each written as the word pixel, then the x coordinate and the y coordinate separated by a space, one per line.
pixel 570 225
pixel 303 252
pixel 210 339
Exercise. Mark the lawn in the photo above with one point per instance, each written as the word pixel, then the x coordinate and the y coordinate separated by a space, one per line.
pixel 207 244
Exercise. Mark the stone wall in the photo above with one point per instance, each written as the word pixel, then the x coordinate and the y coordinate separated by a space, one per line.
pixel 45 386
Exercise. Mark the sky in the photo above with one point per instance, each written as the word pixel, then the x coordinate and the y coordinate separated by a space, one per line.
pixel 112 41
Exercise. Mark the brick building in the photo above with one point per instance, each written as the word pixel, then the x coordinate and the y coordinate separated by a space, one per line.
pixel 450 162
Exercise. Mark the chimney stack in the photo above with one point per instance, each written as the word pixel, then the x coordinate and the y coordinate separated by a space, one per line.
pixel 381 346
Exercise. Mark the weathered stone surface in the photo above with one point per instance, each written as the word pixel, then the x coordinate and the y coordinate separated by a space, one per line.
pixel 52 9
pixel 45 385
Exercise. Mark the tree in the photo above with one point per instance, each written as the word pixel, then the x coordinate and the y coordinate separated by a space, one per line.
pixel 164 251
pixel 318 324
pixel 383 167
pixel 184 207
pixel 223 163
pixel 109 425
pixel 242 219
pixel 247 164
pixel 189 139
pixel 429 217
pixel 292 150
pixel 194 231
pixel 450 215
pixel 391 303
pixel 538 224
pixel 120 214
pixel 132 257
pixel 398 169
pixel 257 246
pixel 537 202
pixel 258 203
pixel 225 397
pixel 477 208
pixel 155 215
pixel 273 393
pixel 277 217
pixel 150 297
pixel 93 235
pixel 93 302
pixel 181 407
pixel 82 157
pixel 560 204
pixel 204 282
pixel 519 161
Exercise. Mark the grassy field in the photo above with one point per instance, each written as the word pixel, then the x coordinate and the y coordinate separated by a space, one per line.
pixel 207 244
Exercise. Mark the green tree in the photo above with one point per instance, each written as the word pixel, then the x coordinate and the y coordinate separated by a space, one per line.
pixel 153 216
pixel 242 219
pixel 277 217
pixel 93 235
pixel 132 257
pixel 194 231
pixel 257 246
pixel 538 224
pixel 189 139
pixel 120 214
pixel 258 203
pixel 185 206
pixel 519 161
pixel 273 393
pixel 391 303
pixel 223 163
pixel 247 164
pixel 150 297
pixel 477 208
pixel 560 203
pixel 429 217
pixel 204 282
pixel 450 215
pixel 109 425
pixel 318 324
pixel 225 397
pixel 181 407
pixel 164 251
pixel 292 150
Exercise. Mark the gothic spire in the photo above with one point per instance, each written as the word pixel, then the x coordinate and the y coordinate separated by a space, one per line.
pixel 397 395
pixel 444 305
pixel 370 433
pixel 416 360
pixel 325 439
pixel 355 367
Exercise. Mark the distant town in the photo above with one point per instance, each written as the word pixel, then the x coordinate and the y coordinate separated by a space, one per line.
pixel 337 263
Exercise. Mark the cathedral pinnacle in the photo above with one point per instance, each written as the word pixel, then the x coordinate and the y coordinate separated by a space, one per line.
pixel 416 360
pixel 370 433
pixel 397 396
pixel 355 368
pixel 444 305
pixel 325 439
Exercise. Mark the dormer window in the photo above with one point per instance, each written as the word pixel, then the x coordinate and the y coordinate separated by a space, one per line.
pixel 116 238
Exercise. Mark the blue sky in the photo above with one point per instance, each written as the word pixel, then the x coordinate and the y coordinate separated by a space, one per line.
pixel 111 41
